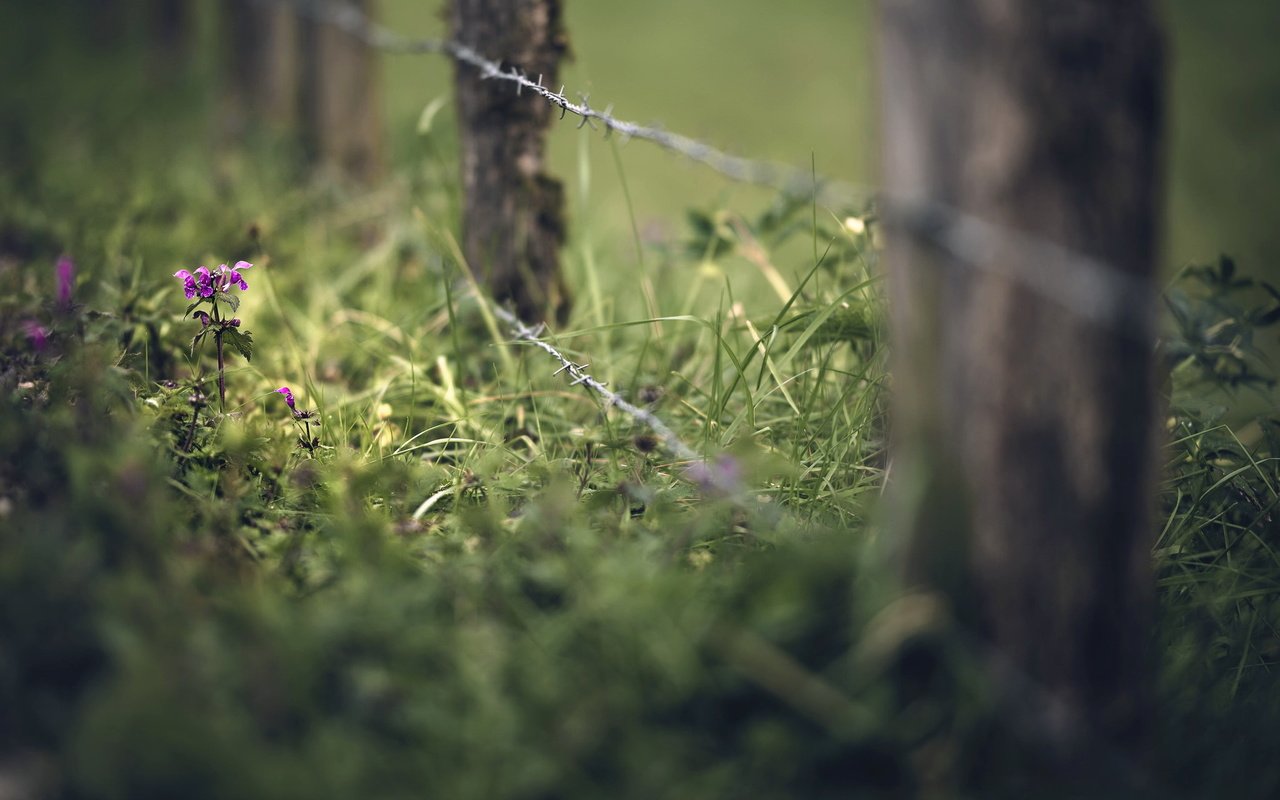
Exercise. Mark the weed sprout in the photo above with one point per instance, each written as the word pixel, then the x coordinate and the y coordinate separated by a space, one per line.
pixel 304 419
pixel 214 287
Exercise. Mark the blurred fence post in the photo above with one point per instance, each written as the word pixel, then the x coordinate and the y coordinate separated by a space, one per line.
pixel 341 100
pixel 513 212
pixel 170 31
pixel 264 61
pixel 1024 456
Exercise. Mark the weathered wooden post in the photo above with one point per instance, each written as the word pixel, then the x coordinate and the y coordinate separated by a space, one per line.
pixel 513 212
pixel 265 62
pixel 341 101
pixel 1024 432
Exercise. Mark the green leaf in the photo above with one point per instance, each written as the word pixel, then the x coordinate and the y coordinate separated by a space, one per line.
pixel 1269 318
pixel 195 340
pixel 1272 315
pixel 231 300
pixel 242 341
pixel 191 308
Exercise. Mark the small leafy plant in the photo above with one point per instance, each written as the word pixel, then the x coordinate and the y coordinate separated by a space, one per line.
pixel 304 419
pixel 214 287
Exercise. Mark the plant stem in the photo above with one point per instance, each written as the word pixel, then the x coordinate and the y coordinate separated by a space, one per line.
pixel 222 378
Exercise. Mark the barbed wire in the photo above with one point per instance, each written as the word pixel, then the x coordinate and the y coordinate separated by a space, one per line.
pixel 1088 287
pixel 697 470
pixel 1092 289
pixel 783 177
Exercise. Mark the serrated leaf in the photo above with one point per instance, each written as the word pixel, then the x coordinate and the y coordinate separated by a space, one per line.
pixel 195 340
pixel 231 300
pixel 242 341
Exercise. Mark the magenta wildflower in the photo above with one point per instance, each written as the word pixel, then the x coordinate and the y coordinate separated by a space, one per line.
pixel 723 475
pixel 66 281
pixel 232 277
pixel 303 420
pixel 214 285
pixel 37 333
pixel 198 283
pixel 188 282
pixel 205 282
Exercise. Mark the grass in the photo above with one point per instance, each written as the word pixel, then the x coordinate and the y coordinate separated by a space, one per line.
pixel 484 583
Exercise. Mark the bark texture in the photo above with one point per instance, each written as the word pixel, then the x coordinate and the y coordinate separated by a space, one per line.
pixel 513 213
pixel 342 104
pixel 1023 433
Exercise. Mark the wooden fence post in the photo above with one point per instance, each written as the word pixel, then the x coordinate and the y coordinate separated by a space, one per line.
pixel 1024 451
pixel 265 62
pixel 513 212
pixel 341 101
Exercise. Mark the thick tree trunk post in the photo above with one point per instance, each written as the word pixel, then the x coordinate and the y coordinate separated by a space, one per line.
pixel 1023 432
pixel 264 61
pixel 513 214
pixel 341 101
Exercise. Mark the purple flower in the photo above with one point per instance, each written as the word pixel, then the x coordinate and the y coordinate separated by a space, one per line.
pixel 230 276
pixel 37 333
pixel 200 283
pixel 66 281
pixel 233 276
pixel 204 281
pixel 205 319
pixel 188 282
pixel 724 475
pixel 288 397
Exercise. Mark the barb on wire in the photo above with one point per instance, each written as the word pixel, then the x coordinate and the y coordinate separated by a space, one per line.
pixel 722 480
pixel 1090 288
